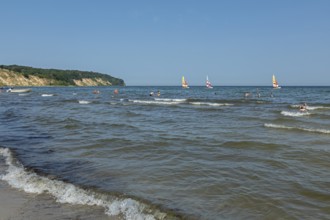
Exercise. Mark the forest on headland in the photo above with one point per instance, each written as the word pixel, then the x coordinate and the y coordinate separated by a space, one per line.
pixel 57 77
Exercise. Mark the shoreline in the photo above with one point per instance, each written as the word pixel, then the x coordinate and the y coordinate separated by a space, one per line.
pixel 26 195
pixel 19 205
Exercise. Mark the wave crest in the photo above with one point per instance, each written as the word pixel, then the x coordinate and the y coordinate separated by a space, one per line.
pixel 30 182
pixel 210 104
pixel 295 114
pixel 168 101
pixel 315 130
pixel 84 102
pixel 311 108
pixel 155 102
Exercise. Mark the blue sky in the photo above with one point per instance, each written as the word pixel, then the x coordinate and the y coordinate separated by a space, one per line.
pixel 145 42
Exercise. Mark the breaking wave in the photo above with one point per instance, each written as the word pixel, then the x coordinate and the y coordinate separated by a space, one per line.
pixel 295 114
pixel 210 103
pixel 84 102
pixel 167 101
pixel 316 107
pixel 18 177
pixel 156 102
pixel 170 100
pixel 321 131
pixel 311 108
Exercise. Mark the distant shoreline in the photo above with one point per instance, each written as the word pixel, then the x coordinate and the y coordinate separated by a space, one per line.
pixel 15 75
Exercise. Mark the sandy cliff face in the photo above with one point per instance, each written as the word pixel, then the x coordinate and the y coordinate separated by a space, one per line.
pixel 9 78
pixel 92 82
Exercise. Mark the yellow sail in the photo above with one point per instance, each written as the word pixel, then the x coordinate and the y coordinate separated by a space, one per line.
pixel 275 84
pixel 184 83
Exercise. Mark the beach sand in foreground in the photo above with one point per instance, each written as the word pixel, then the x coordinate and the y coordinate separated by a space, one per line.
pixel 18 205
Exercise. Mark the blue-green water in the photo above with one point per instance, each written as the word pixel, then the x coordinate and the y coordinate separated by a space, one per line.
pixel 194 154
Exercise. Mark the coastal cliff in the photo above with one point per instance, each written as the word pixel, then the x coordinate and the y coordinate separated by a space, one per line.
pixel 15 75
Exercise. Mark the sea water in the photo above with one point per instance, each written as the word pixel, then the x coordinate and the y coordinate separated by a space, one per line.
pixel 192 153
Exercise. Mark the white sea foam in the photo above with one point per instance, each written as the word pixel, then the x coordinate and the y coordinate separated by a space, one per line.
pixel 210 103
pixel 170 100
pixel 47 95
pixel 167 101
pixel 155 102
pixel 277 126
pixel 322 131
pixel 63 192
pixel 84 102
pixel 311 108
pixel 295 114
pixel 316 107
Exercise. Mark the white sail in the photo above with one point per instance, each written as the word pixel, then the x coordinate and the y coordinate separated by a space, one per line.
pixel 208 83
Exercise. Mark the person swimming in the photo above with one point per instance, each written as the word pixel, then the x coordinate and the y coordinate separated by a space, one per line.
pixel 303 107
pixel 258 93
pixel 247 95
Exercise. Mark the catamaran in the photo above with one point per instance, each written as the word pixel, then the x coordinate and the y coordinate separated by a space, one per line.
pixel 184 83
pixel 275 84
pixel 208 83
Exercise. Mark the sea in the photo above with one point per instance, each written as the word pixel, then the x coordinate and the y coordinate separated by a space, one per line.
pixel 222 153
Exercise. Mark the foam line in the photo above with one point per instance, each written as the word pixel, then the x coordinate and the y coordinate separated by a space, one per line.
pixel 210 103
pixel 17 176
pixel 84 102
pixel 155 102
pixel 294 114
pixel 322 131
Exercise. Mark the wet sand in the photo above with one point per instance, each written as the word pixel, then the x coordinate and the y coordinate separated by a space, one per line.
pixel 18 205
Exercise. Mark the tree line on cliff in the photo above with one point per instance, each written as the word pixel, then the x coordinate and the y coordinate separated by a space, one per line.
pixel 62 77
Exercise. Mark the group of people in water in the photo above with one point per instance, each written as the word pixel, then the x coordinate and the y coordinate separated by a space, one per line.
pixel 152 93
pixel 115 92
pixel 302 107
pixel 258 94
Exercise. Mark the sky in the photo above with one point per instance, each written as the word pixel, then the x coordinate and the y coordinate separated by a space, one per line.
pixel 153 42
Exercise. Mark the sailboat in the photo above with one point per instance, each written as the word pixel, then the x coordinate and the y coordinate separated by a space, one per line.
pixel 184 83
pixel 208 83
pixel 275 84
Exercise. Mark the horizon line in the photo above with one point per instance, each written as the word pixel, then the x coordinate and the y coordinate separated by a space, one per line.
pixel 239 85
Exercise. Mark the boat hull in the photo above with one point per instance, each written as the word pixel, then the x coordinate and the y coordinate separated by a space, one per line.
pixel 19 90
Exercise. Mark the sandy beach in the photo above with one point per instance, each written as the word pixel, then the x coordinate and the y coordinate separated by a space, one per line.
pixel 18 205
